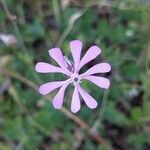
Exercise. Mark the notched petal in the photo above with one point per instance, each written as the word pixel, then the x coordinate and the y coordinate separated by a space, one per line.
pixel 91 54
pixel 89 100
pixel 99 81
pixel 75 103
pixel 43 67
pixel 49 87
pixel 58 99
pixel 99 68
pixel 76 48
pixel 57 55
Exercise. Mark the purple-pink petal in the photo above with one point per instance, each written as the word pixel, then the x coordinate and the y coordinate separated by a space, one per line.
pixel 89 100
pixel 99 81
pixel 99 68
pixel 43 67
pixel 75 103
pixel 57 55
pixel 92 53
pixel 76 47
pixel 49 87
pixel 58 99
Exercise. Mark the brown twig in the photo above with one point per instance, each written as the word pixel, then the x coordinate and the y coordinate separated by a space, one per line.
pixel 73 117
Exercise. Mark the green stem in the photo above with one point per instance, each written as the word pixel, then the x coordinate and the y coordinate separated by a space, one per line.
pixel 12 18
pixel 56 10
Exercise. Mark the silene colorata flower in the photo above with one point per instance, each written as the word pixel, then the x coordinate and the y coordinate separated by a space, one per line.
pixel 72 71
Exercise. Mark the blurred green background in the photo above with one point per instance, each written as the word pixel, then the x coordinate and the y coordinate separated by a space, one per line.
pixel 121 28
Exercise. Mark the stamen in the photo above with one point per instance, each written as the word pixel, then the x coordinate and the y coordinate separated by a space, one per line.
pixel 69 64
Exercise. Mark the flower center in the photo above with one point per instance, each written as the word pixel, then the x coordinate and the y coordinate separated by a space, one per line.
pixel 75 78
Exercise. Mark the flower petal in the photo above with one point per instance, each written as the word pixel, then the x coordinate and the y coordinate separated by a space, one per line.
pixel 58 99
pixel 92 53
pixel 75 103
pixel 57 55
pixel 99 68
pixel 76 47
pixel 43 67
pixel 49 87
pixel 99 81
pixel 90 101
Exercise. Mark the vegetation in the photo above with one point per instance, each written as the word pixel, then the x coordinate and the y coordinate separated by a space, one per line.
pixel 122 30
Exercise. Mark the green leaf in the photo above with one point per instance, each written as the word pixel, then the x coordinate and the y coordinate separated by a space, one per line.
pixel 114 116
pixel 136 114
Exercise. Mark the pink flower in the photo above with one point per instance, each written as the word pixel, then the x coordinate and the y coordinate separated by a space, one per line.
pixel 72 71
